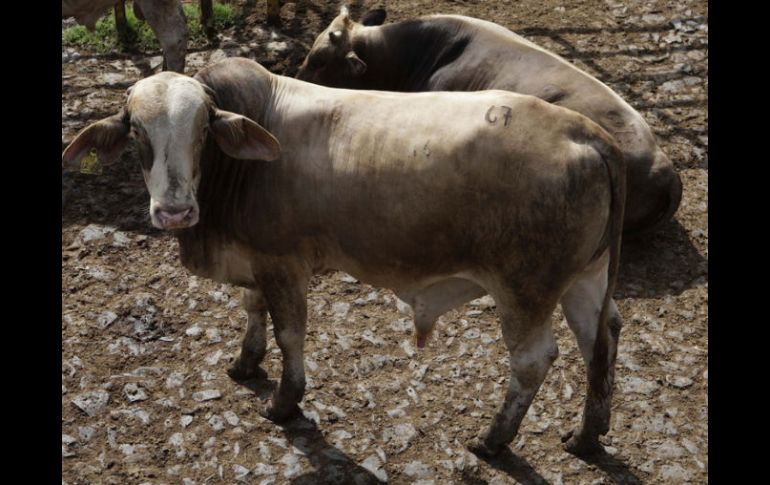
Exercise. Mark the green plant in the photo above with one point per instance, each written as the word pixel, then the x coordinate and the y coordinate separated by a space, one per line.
pixel 105 38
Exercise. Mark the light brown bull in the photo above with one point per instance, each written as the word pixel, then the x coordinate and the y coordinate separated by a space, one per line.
pixel 266 180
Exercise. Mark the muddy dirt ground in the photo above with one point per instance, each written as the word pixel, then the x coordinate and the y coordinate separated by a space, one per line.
pixel 145 345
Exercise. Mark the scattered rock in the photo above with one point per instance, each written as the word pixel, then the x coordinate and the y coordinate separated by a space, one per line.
pixel 175 379
pixel 231 418
pixel 396 412
pixel 240 471
pixel 277 47
pixel 94 232
pixel 214 357
pixel 206 395
pixel 673 86
pixel 483 303
pixel 399 436
pixel 653 18
pixel 668 450
pixel 674 473
pixel 216 422
pixel 92 402
pixel 417 469
pixel 112 79
pixel 134 393
pixel 262 469
pixel 679 382
pixel 340 309
pixel 403 307
pixel 86 433
pixel 106 319
pixel 638 385
pixel 120 239
pixel 213 335
pixel 293 466
pixel 374 465
pixel 348 279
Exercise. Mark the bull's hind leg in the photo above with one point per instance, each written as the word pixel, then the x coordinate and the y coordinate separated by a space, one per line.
pixel 286 298
pixel 529 338
pixel 582 304
pixel 254 343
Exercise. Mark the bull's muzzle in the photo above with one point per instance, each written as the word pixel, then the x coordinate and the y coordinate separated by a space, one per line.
pixel 174 217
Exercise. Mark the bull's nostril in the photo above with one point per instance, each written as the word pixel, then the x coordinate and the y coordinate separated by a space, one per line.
pixel 172 215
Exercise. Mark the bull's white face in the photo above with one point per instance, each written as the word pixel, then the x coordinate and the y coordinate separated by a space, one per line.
pixel 169 115
pixel 169 118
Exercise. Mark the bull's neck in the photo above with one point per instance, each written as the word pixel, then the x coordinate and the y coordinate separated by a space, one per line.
pixel 403 56
pixel 296 105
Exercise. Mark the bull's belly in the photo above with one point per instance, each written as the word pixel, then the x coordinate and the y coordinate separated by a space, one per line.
pixel 229 263
pixel 401 279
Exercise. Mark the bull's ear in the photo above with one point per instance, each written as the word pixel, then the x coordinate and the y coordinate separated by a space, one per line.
pixel 108 137
pixel 374 17
pixel 344 13
pixel 357 66
pixel 242 138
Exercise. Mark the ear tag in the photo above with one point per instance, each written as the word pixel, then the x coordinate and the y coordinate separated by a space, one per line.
pixel 89 164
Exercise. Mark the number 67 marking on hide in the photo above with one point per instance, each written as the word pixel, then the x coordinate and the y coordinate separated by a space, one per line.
pixel 506 116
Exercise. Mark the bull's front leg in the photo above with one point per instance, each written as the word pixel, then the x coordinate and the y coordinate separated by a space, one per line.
pixel 287 302
pixel 121 24
pixel 207 18
pixel 254 343
pixel 167 20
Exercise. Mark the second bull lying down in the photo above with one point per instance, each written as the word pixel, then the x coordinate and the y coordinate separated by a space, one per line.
pixel 266 180
pixel 456 53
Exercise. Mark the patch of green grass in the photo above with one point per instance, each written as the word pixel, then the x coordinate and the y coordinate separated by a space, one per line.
pixel 105 37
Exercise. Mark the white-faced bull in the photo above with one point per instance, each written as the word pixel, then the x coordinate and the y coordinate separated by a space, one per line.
pixel 266 180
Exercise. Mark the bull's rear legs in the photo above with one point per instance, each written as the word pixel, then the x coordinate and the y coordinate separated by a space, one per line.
pixel 532 347
pixel 582 305
pixel 254 343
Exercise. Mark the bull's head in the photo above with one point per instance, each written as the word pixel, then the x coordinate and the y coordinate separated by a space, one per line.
pixel 169 116
pixel 333 61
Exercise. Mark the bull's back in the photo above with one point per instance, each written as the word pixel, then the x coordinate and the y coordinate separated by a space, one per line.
pixel 498 58
pixel 435 182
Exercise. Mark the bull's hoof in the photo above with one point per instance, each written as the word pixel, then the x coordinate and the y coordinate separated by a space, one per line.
pixel 280 414
pixel 481 448
pixel 240 373
pixel 580 444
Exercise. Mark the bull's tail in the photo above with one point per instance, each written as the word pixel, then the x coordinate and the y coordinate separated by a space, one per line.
pixel 616 168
